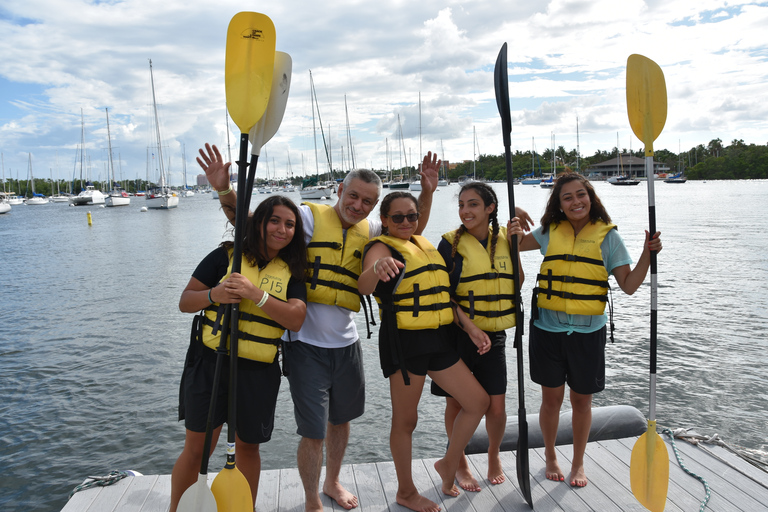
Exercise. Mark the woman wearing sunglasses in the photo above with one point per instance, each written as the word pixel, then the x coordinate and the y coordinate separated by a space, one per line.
pixel 408 277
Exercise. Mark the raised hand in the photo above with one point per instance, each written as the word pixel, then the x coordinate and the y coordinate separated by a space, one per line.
pixel 215 169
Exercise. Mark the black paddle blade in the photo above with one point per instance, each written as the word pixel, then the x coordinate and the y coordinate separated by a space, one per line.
pixel 501 85
pixel 523 472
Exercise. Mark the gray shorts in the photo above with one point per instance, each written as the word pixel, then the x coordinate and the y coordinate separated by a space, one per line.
pixel 327 386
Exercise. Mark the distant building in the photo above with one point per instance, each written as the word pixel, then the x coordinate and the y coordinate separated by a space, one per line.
pixel 623 165
pixel 202 180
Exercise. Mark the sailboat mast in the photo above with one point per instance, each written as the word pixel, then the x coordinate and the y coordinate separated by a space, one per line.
pixel 157 127
pixel 82 146
pixel 109 145
pixel 349 137
pixel 578 151
pixel 184 163
pixel 554 155
pixel 420 153
pixel 314 129
pixel 31 178
pixel 474 155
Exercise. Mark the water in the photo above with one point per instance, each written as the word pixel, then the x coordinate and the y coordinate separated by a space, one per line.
pixel 92 341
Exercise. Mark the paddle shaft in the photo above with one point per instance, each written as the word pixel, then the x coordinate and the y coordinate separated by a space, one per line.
pixel 501 86
pixel 234 335
pixel 654 285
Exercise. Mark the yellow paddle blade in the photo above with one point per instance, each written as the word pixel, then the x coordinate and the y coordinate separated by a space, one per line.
pixel 232 492
pixel 248 67
pixel 649 470
pixel 646 99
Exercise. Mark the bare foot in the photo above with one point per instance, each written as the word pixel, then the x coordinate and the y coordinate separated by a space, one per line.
pixel 554 472
pixel 417 502
pixel 495 473
pixel 464 477
pixel 342 496
pixel 448 488
pixel 577 477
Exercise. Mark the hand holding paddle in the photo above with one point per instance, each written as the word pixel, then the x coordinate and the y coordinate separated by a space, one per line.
pixel 647 110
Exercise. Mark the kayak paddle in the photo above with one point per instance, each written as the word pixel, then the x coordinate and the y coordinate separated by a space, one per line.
pixel 647 110
pixel 267 126
pixel 248 69
pixel 501 85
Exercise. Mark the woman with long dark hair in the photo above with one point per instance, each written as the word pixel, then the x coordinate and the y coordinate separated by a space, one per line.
pixel 581 248
pixel 272 296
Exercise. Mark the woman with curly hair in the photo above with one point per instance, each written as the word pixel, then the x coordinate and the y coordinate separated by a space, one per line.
pixel 581 248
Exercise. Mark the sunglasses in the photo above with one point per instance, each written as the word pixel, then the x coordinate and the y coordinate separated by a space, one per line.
pixel 398 218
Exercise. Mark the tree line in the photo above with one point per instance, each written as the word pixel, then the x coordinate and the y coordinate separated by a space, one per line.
pixel 711 162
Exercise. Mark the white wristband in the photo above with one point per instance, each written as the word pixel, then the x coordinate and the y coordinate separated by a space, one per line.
pixel 374 266
pixel 263 300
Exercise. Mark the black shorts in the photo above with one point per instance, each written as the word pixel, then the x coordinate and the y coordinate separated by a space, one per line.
pixel 490 369
pixel 576 358
pixel 257 387
pixel 425 363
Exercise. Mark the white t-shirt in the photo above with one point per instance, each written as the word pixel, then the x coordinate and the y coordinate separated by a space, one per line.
pixel 328 326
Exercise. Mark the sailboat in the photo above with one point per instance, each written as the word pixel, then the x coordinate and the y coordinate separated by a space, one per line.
pixel 117 196
pixel 549 181
pixel 90 195
pixel 36 198
pixel 311 188
pixel 5 206
pixel 399 182
pixel 187 191
pixel 159 197
pixel 442 179
pixel 677 178
pixel 531 179
pixel 621 178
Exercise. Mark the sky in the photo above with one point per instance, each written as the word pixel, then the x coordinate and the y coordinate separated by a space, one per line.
pixel 566 66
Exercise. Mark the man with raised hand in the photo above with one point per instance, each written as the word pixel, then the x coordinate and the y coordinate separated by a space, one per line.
pixel 325 357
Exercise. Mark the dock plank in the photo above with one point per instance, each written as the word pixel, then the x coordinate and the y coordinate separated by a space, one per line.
pixel 735 485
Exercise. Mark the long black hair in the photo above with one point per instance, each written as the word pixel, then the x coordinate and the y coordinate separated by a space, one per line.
pixel 255 246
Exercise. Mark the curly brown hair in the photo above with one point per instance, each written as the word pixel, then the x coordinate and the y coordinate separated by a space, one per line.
pixel 553 214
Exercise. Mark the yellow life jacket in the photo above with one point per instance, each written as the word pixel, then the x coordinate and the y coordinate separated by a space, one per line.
pixel 421 299
pixel 486 294
pixel 334 262
pixel 259 335
pixel 573 277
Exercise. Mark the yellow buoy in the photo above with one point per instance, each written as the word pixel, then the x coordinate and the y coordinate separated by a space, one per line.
pixel 90 219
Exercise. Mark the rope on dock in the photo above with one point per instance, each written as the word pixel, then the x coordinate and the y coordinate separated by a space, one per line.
pixel 699 440
pixel 101 481
pixel 672 436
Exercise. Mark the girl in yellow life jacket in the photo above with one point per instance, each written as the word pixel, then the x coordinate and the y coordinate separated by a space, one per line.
pixel 274 254
pixel 478 259
pixel 409 278
pixel 568 334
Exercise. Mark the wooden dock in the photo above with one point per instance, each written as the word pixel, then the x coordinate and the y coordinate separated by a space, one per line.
pixel 735 485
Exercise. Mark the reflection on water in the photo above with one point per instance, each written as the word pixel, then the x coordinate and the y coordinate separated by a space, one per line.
pixel 92 341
